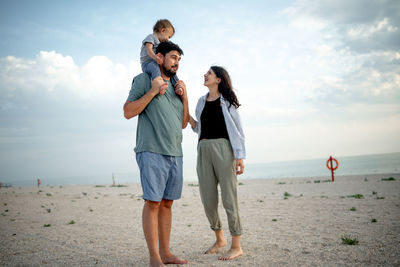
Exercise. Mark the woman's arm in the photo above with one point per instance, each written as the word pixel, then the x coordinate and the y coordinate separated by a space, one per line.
pixel 238 138
pixel 236 119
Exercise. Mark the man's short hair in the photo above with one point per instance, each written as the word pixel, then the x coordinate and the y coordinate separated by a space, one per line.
pixel 168 46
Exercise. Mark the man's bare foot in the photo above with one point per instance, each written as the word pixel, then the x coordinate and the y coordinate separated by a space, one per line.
pixel 172 259
pixel 233 253
pixel 156 263
pixel 217 245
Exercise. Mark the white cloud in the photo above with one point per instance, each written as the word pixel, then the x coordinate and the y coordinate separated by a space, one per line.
pixel 53 110
pixel 368 31
pixel 362 25
pixel 99 78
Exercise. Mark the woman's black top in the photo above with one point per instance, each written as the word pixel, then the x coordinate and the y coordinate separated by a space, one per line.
pixel 212 121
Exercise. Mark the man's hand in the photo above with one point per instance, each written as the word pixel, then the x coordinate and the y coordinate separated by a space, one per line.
pixel 239 166
pixel 158 86
pixel 180 89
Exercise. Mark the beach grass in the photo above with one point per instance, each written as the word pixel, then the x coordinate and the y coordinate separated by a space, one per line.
pixel 286 194
pixel 388 179
pixel 349 241
pixel 356 196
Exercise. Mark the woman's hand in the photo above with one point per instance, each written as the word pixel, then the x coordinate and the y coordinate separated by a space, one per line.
pixel 192 122
pixel 239 166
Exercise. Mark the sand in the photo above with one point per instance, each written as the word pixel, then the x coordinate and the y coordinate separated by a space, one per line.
pixel 91 225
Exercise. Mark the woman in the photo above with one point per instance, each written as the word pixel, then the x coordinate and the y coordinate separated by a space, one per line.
pixel 220 156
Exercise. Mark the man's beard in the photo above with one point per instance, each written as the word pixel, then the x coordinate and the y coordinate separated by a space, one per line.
pixel 169 73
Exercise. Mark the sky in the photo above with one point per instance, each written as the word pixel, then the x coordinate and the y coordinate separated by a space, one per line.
pixel 314 78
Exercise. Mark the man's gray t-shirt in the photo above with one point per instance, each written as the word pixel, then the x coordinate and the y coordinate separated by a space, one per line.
pixel 151 38
pixel 159 128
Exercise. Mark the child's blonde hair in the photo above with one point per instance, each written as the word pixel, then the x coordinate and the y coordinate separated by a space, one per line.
pixel 163 23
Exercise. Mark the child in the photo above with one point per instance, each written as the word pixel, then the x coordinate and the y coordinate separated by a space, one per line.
pixel 162 32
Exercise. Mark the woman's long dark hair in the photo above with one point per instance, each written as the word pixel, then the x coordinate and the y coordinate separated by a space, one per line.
pixel 225 86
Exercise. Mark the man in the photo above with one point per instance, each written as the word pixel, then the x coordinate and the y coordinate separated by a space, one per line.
pixel 162 116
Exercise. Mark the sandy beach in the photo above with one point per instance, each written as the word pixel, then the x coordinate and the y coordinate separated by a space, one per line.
pixel 287 222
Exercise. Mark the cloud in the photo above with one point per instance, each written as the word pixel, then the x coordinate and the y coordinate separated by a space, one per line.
pixel 51 96
pixel 360 40
pixel 53 110
pixel 51 71
pixel 363 26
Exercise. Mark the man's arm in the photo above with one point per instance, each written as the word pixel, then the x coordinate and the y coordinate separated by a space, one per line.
pixel 133 108
pixel 185 115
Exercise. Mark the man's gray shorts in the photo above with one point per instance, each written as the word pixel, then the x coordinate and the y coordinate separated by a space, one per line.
pixel 161 176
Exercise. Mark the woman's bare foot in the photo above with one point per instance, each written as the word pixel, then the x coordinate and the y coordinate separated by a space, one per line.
pixel 217 245
pixel 231 254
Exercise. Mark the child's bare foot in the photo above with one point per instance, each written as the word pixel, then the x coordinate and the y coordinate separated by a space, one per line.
pixel 163 88
pixel 231 254
pixel 160 84
pixel 179 91
pixel 217 245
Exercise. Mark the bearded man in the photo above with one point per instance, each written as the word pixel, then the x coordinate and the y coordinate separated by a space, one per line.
pixel 163 113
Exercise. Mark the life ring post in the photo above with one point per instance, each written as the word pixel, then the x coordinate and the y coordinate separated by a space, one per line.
pixel 329 165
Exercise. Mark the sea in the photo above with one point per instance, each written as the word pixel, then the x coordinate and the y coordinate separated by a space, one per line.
pixel 349 165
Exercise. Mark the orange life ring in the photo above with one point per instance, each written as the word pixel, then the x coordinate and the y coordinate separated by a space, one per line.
pixel 327 164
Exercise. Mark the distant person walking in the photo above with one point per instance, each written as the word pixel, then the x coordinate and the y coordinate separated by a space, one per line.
pixel 221 151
